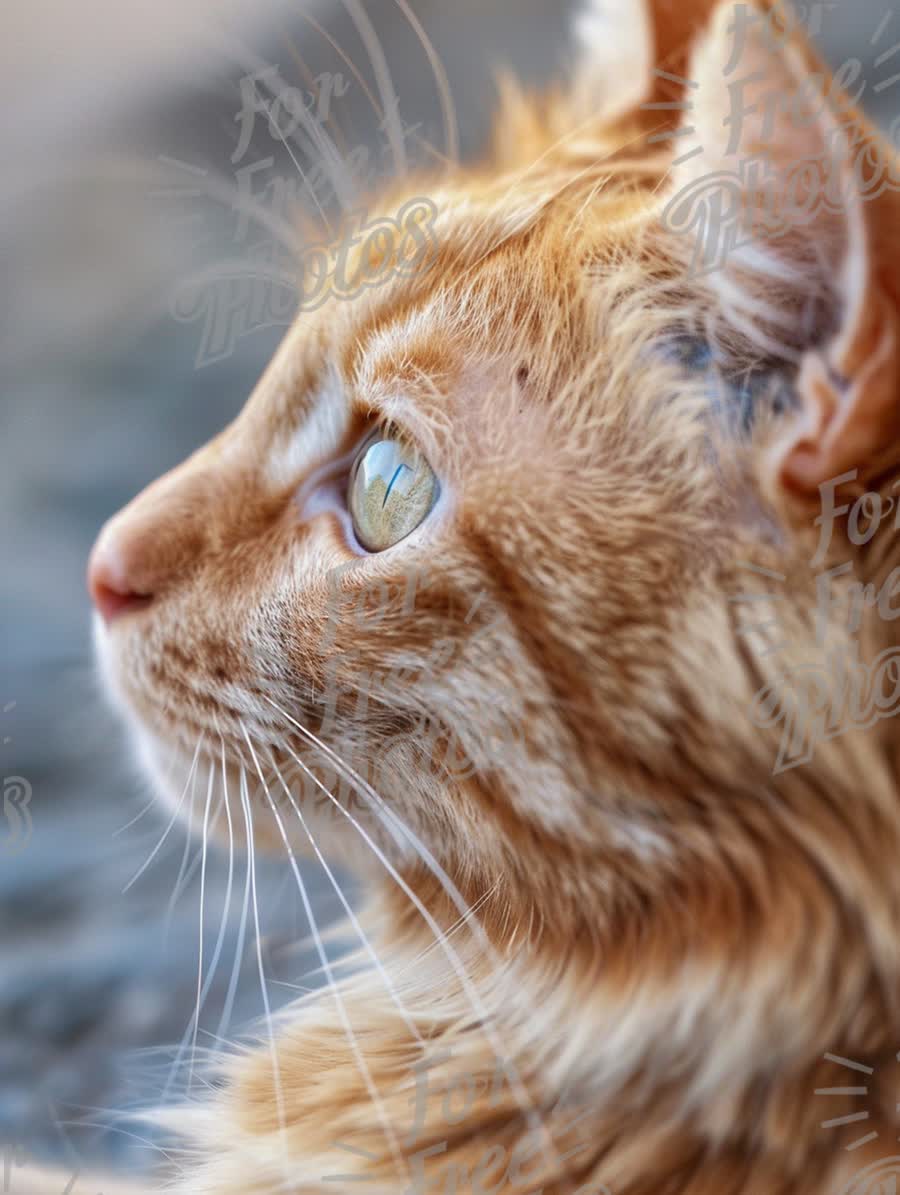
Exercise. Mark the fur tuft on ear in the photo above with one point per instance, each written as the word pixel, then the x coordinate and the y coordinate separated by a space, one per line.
pixel 633 52
pixel 616 58
pixel 790 202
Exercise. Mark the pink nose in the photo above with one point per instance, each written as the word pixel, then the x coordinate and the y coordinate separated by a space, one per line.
pixel 110 587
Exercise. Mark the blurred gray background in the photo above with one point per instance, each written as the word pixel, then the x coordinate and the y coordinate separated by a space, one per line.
pixel 120 129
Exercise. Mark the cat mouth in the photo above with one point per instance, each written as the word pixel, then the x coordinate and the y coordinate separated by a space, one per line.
pixel 237 745
pixel 272 797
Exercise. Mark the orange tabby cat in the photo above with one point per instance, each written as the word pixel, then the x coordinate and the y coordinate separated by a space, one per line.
pixel 612 934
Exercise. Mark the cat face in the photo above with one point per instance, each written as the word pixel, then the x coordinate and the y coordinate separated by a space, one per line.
pixel 463 564
pixel 243 609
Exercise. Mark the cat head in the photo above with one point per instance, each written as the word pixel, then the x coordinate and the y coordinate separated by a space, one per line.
pixel 465 586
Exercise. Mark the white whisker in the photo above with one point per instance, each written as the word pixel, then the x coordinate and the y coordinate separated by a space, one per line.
pixel 342 198
pixel 354 920
pixel 188 838
pixel 276 1071
pixel 523 1097
pixel 110 1128
pixel 337 170
pixel 383 80
pixel 121 830
pixel 225 1018
pixel 200 933
pixel 451 128
pixel 361 1063
pixel 192 1029
pixel 198 855
pixel 134 879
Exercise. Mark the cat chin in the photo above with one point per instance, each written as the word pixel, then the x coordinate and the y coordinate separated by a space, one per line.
pixel 181 788
pixel 178 769
pixel 167 769
pixel 183 797
pixel 166 764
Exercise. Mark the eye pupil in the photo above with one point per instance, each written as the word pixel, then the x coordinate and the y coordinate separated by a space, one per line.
pixel 392 490
pixel 397 473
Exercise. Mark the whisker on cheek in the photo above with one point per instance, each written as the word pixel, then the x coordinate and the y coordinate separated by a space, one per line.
pixel 523 1097
pixel 263 987
pixel 354 920
pixel 174 818
pixel 181 881
pixel 192 1030
pixel 200 932
pixel 225 1019
pixel 333 986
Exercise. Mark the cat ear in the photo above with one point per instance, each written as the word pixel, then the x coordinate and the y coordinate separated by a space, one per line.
pixel 632 51
pixel 615 58
pixel 790 203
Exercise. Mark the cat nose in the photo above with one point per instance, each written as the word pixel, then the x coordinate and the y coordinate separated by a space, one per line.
pixel 147 550
pixel 111 585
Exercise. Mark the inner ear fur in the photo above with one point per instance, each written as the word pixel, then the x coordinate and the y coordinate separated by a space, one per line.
pixel 815 272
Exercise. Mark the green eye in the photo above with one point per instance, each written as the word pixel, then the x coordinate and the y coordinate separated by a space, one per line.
pixel 392 490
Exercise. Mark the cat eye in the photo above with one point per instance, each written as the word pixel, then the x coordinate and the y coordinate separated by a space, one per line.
pixel 392 491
